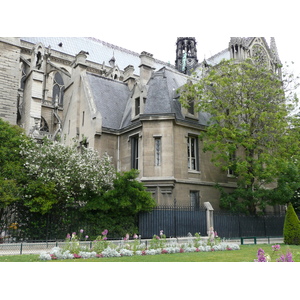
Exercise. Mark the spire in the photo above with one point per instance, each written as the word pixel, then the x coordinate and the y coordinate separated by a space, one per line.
pixel 274 51
pixel 112 60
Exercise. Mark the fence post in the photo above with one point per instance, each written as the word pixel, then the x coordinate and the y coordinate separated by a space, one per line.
pixel 209 216
pixel 175 221
pixel 21 246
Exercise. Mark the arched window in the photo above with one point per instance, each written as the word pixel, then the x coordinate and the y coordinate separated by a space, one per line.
pixel 58 90
pixel 44 125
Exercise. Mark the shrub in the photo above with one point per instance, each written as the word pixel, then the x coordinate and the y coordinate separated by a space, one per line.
pixel 291 228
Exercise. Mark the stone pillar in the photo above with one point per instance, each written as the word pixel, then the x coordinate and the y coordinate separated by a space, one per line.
pixel 209 216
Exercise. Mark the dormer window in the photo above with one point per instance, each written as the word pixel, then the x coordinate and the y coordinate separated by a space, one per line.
pixel 137 106
pixel 191 108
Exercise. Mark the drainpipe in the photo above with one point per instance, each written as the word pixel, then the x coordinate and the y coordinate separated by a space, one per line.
pixel 118 155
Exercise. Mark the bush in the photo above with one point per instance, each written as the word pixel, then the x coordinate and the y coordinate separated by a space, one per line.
pixel 291 228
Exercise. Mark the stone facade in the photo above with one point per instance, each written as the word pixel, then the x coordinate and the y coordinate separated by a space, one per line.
pixel 122 103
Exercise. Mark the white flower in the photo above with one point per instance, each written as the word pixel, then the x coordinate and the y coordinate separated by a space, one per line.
pixel 45 256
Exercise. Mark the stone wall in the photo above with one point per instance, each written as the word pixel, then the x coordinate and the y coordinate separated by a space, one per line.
pixel 9 78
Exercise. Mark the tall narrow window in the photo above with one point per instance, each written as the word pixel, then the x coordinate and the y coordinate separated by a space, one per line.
pixel 58 89
pixel 137 106
pixel 232 163
pixel 83 118
pixel 157 149
pixel 191 108
pixel 195 199
pixel 135 152
pixel 192 152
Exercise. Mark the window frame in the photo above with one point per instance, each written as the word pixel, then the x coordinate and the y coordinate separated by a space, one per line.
pixel 193 153
pixel 157 151
pixel 134 140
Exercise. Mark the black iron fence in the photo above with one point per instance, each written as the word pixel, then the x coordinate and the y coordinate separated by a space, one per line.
pixel 179 221
pixel 174 221
pixel 231 225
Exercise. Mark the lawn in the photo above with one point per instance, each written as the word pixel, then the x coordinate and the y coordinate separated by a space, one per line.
pixel 247 253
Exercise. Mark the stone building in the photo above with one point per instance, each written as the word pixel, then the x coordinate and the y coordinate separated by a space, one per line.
pixel 96 94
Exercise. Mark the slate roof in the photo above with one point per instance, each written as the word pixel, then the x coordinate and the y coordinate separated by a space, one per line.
pixel 111 99
pixel 99 51
pixel 162 95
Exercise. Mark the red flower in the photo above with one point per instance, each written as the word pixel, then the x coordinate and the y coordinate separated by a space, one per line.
pixel 181 250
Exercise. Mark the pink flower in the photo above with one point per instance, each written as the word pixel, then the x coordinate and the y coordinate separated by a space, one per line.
pixel 135 236
pixel 157 237
pixel 164 251
pixel 276 247
pixel 197 250
pixel 105 238
pixel 181 250
pixel 86 237
pixel 161 233
pixel 105 232
pixel 81 230
pixel 126 237
pixel 68 236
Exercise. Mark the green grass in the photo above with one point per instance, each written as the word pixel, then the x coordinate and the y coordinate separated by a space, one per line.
pixel 247 253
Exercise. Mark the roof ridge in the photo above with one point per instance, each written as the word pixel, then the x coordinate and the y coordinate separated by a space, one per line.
pixel 113 46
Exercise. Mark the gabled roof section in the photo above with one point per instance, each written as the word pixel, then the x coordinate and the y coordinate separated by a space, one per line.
pixel 98 51
pixel 162 96
pixel 111 98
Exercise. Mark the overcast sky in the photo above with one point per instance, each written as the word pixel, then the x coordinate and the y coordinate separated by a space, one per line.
pixel 154 25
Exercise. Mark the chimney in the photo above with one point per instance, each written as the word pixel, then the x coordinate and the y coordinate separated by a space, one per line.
pixel 129 77
pixel 146 67
pixel 80 59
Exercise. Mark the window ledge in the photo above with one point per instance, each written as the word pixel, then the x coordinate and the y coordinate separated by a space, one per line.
pixel 194 172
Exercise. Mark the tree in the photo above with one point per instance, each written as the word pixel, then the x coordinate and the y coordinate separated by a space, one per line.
pixel 249 130
pixel 63 175
pixel 291 228
pixel 118 208
pixel 11 168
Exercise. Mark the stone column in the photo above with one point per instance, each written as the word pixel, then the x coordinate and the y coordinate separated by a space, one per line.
pixel 209 216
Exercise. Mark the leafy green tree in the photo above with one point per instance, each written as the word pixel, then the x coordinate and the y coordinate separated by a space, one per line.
pixel 291 229
pixel 249 130
pixel 118 208
pixel 11 168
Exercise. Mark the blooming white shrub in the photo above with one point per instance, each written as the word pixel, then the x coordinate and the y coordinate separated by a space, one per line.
pixel 126 252
pixel 189 249
pixel 45 256
pixel 73 173
pixel 151 252
pixel 85 254
pixel 109 252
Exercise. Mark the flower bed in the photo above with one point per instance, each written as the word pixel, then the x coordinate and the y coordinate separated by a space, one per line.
pixel 158 245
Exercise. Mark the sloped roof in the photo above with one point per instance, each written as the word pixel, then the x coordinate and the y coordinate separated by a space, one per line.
pixel 111 98
pixel 98 50
pixel 163 97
